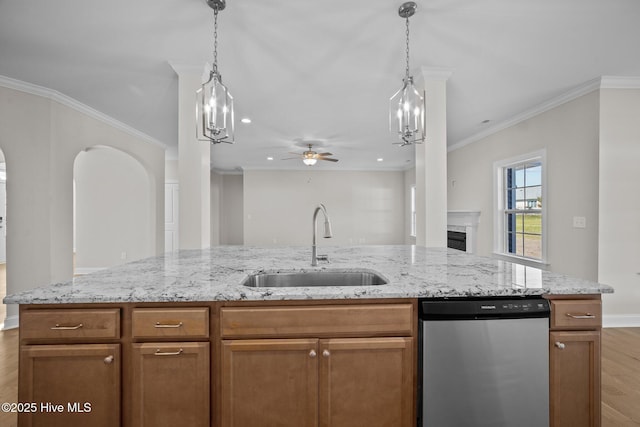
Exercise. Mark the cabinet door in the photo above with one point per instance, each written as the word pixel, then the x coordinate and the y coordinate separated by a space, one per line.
pixel 170 384
pixel 270 382
pixel 574 362
pixel 72 385
pixel 367 382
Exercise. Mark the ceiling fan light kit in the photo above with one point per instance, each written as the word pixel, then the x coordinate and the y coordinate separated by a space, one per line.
pixel 214 106
pixel 310 157
pixel 407 105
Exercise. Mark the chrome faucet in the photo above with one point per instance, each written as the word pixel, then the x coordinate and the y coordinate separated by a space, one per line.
pixel 327 234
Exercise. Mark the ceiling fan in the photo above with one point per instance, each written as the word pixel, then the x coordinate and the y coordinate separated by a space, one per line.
pixel 310 157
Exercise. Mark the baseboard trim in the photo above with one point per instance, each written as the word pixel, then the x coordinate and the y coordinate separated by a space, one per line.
pixel 87 270
pixel 10 322
pixel 621 321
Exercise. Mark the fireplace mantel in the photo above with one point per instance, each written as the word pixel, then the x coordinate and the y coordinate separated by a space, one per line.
pixel 465 222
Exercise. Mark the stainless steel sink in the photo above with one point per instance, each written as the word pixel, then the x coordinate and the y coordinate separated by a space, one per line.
pixel 289 279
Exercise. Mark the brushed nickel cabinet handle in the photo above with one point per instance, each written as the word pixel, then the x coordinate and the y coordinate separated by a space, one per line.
pixel 59 327
pixel 167 325
pixel 312 353
pixel 169 353
pixel 581 316
pixel 326 353
pixel 560 345
pixel 108 359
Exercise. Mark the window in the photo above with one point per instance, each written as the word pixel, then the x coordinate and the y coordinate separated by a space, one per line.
pixel 520 215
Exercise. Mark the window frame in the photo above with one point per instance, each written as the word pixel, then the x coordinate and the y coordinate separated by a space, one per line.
pixel 500 210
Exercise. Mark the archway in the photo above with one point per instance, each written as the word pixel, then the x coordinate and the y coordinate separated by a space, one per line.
pixel 112 208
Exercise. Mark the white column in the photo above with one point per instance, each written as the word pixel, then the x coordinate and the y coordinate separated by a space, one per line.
pixel 193 165
pixel 431 163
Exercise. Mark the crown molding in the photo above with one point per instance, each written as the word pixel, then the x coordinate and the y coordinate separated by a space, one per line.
pixel 436 73
pixel 574 93
pixel 182 68
pixel 603 82
pixel 620 82
pixel 67 101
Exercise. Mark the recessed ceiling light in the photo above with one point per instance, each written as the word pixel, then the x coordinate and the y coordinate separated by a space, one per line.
pixel 245 120
pixel 380 159
pixel 269 158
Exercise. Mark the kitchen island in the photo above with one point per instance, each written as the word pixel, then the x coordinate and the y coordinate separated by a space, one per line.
pixel 178 339
pixel 215 275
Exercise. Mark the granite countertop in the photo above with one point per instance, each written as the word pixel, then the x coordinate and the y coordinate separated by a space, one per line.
pixel 216 274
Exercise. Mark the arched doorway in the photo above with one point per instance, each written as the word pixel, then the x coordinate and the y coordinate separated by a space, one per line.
pixel 112 207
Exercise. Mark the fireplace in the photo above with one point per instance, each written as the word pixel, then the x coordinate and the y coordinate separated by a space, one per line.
pixel 462 228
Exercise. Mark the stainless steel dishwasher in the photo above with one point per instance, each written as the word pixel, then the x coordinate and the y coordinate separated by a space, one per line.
pixel 484 362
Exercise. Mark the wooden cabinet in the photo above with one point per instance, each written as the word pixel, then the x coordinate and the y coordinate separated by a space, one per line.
pixel 366 382
pixel 330 378
pixel 170 379
pixel 70 367
pixel 170 384
pixel 270 382
pixel 574 362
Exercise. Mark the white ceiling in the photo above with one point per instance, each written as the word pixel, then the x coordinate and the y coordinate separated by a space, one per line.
pixel 320 70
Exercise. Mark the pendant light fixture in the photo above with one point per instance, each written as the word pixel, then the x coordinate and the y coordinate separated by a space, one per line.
pixel 214 106
pixel 407 106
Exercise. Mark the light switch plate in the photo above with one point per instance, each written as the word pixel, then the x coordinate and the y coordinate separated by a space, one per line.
pixel 579 222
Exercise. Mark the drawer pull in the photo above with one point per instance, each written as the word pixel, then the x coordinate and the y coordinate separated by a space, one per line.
pixel 59 327
pixel 169 353
pixel 167 325
pixel 560 345
pixel 108 360
pixel 312 353
pixel 326 353
pixel 581 316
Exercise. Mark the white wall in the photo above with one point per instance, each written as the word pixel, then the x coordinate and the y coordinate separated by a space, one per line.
pixel 215 210
pixel 409 181
pixel 171 171
pixel 364 207
pixel 231 214
pixel 39 156
pixel 112 209
pixel 619 233
pixel 569 133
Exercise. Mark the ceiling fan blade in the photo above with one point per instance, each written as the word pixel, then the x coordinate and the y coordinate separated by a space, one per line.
pixel 326 158
pixel 291 158
pixel 295 154
pixel 325 154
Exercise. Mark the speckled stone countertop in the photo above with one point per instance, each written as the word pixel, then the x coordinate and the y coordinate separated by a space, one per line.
pixel 216 275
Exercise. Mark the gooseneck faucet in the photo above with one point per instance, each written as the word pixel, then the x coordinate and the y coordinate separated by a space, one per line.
pixel 327 234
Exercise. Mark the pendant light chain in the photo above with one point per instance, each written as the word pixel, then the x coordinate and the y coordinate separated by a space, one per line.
pixel 407 33
pixel 215 40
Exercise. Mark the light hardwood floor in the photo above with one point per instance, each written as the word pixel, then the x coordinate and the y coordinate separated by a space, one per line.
pixel 620 376
pixel 3 290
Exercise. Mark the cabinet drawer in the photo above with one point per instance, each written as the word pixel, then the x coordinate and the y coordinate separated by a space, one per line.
pixel 335 321
pixel 170 322
pixel 70 324
pixel 576 314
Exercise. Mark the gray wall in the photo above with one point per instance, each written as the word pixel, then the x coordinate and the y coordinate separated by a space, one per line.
pixel 569 133
pixel 365 207
pixel 39 157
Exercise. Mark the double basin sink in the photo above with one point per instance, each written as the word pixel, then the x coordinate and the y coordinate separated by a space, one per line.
pixel 289 279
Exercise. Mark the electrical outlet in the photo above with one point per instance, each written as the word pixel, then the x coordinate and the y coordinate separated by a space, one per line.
pixel 123 255
pixel 579 222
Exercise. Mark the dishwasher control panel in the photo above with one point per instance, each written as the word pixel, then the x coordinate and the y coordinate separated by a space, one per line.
pixel 476 308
